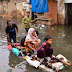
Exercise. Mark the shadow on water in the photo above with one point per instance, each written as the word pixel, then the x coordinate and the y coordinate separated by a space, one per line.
pixel 62 44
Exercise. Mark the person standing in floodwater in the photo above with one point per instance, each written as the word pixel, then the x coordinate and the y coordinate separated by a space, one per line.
pixel 27 20
pixel 10 31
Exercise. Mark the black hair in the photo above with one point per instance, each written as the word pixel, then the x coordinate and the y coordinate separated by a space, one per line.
pixel 8 21
pixel 47 37
pixel 28 11
pixel 37 33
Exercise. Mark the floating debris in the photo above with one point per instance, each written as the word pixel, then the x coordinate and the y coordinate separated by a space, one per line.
pixel 42 26
pixel 45 27
pixel 52 28
pixel 15 66
pixel 63 35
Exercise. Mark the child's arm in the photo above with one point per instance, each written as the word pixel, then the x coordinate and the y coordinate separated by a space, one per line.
pixel 31 20
pixel 28 41
pixel 28 44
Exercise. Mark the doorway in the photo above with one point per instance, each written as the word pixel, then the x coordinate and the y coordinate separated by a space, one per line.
pixel 68 14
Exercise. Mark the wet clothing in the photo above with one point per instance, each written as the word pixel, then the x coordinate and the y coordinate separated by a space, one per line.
pixel 22 41
pixel 39 6
pixel 44 50
pixel 14 38
pixel 25 20
pixel 12 32
pixel 30 36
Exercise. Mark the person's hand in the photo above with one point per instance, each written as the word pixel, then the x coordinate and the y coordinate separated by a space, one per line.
pixel 9 43
pixel 17 31
pixel 34 49
pixel 35 20
pixel 36 40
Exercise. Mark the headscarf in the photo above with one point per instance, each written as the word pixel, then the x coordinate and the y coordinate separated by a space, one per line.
pixel 30 36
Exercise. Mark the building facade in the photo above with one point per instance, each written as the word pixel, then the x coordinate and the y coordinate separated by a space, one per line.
pixel 9 6
pixel 15 8
pixel 64 11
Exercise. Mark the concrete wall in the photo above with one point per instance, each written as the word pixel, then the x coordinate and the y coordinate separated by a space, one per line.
pixel 11 7
pixel 61 12
pixel 52 10
pixel 68 1
pixel 1 7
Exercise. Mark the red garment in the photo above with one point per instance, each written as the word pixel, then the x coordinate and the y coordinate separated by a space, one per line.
pixel 44 50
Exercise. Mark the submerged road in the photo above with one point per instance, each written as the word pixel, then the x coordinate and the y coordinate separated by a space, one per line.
pixel 62 44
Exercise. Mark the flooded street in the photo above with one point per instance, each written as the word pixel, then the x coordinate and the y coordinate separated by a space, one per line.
pixel 62 44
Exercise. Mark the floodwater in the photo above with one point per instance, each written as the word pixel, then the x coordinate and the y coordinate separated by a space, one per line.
pixel 62 44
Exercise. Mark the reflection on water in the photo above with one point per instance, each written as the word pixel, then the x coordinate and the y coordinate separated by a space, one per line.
pixel 62 44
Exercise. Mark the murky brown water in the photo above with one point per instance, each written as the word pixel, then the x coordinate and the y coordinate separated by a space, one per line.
pixel 62 44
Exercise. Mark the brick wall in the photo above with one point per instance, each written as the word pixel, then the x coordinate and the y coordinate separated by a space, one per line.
pixel 52 10
pixel 11 6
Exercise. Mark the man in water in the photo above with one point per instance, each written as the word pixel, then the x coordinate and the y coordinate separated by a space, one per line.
pixel 10 31
pixel 27 20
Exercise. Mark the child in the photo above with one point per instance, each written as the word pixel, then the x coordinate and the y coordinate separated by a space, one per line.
pixel 45 49
pixel 27 20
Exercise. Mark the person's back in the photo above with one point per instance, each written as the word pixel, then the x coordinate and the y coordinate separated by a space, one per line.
pixel 22 41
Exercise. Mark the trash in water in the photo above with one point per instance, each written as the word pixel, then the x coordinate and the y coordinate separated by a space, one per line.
pixel 45 27
pixel 63 35
pixel 15 66
pixel 52 28
pixel 42 25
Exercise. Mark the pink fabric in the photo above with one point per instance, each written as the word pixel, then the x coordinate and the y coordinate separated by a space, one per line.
pixel 9 47
pixel 30 36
